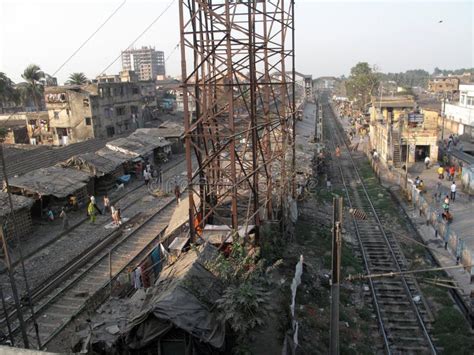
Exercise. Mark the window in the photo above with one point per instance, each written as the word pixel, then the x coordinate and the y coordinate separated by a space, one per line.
pixel 470 101
pixel 120 111
pixel 108 112
pixel 68 112
pixel 85 102
pixel 56 114
pixel 135 91
pixel 134 109
pixel 110 131
pixel 88 121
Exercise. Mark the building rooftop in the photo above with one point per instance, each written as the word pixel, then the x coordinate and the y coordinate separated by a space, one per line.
pixel 394 101
pixel 19 202
pixel 51 181
pixel 28 160
pixel 141 142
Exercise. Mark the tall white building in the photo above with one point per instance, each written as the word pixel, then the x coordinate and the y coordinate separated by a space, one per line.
pixel 146 62
pixel 460 115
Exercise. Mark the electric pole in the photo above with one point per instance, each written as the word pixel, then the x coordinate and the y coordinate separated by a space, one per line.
pixel 336 273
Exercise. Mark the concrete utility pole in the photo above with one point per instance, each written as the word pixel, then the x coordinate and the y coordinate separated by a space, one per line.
pixel 336 273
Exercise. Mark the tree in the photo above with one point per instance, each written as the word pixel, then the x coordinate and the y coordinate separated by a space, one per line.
pixel 32 89
pixel 362 84
pixel 7 90
pixel 77 79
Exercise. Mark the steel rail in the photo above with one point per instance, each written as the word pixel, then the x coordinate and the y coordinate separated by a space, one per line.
pixel 340 134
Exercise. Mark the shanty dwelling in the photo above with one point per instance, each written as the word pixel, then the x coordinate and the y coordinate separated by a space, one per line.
pixel 174 133
pixel 144 142
pixel 105 166
pixel 174 316
pixel 53 187
pixel 21 210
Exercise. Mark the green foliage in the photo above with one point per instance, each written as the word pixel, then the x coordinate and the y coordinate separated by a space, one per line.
pixel 362 83
pixel 7 90
pixel 32 89
pixel 408 79
pixel 444 72
pixel 453 332
pixel 77 79
pixel 244 306
pixel 235 268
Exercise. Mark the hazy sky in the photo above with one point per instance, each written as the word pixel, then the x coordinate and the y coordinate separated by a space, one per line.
pixel 331 36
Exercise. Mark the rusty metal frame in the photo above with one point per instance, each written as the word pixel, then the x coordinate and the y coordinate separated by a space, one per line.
pixel 242 128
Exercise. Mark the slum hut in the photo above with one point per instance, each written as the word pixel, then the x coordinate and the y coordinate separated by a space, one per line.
pixel 144 142
pixel 22 211
pixel 53 187
pixel 104 169
pixel 174 133
pixel 177 316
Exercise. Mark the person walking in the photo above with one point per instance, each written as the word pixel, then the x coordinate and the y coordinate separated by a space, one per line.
pixel 177 193
pixel 438 191
pixel 63 215
pixel 92 198
pixel 91 210
pixel 427 162
pixel 441 173
pixel 146 176
pixel 338 152
pixel 453 191
pixel 106 204
pixel 446 204
pixel 452 171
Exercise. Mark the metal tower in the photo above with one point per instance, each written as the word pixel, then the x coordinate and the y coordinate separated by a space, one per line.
pixel 237 61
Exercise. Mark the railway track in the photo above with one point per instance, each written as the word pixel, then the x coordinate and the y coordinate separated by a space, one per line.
pixel 57 304
pixel 403 317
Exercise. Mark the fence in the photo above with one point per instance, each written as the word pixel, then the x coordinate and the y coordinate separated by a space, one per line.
pixel 453 242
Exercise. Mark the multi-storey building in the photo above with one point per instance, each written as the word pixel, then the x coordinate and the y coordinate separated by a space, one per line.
pixel 444 84
pixel 98 110
pixel 459 116
pixel 147 62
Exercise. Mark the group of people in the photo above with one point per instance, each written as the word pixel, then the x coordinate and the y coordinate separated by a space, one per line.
pixel 147 170
pixel 449 171
pixel 93 209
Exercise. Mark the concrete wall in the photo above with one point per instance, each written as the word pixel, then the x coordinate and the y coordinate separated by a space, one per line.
pixel 71 115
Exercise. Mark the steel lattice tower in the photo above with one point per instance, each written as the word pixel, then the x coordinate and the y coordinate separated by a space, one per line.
pixel 237 60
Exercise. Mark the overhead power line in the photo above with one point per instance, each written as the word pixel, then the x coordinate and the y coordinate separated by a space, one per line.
pixel 140 35
pixel 76 51
pixel 90 37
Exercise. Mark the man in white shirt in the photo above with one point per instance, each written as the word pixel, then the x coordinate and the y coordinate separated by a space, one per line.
pixel 453 191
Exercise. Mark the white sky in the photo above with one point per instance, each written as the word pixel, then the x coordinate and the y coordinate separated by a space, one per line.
pixel 331 36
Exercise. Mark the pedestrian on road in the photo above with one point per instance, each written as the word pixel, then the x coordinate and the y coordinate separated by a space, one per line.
pixel 452 171
pixel 146 176
pixel 446 204
pixel 63 215
pixel 441 173
pixel 92 198
pixel 453 191
pixel 50 215
pixel 427 162
pixel 177 193
pixel 106 204
pixel 438 191
pixel 91 210
pixel 338 152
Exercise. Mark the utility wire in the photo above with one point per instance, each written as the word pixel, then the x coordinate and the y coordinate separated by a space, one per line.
pixel 90 37
pixel 140 35
pixel 76 51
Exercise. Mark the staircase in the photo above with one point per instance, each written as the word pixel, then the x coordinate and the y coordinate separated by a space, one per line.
pixel 397 154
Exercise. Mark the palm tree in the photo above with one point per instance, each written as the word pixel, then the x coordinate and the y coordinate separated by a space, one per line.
pixel 32 89
pixel 77 79
pixel 7 90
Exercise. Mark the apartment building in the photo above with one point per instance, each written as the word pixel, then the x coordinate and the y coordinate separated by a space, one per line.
pixel 147 62
pixel 98 110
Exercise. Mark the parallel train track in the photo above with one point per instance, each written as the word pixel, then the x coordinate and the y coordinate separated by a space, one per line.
pixel 59 303
pixel 403 322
